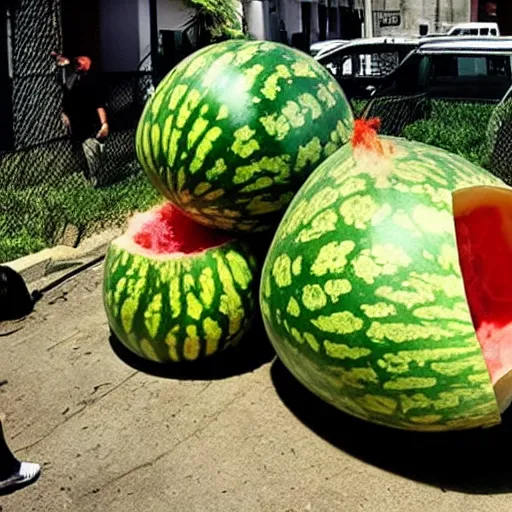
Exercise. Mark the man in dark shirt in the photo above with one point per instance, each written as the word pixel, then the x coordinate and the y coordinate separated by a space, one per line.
pixel 84 114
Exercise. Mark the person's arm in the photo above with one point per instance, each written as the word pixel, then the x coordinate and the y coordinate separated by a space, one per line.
pixel 66 121
pixel 100 109
pixel 104 123
pixel 64 114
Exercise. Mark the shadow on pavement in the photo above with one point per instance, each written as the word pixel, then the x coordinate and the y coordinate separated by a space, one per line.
pixel 473 462
pixel 254 351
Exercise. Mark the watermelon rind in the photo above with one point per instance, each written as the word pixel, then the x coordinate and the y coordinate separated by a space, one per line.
pixel 234 130
pixel 362 294
pixel 182 307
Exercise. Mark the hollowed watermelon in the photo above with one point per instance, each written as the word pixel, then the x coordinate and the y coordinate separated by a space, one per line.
pixel 386 288
pixel 234 130
pixel 175 290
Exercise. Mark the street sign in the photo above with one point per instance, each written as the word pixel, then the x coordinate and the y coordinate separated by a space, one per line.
pixel 390 19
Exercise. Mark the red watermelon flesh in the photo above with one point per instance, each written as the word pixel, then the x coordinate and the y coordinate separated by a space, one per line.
pixel 483 223
pixel 165 230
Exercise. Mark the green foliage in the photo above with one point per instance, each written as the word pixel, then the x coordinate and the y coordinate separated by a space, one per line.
pixel 480 132
pixel 214 21
pixel 460 128
pixel 358 106
pixel 36 216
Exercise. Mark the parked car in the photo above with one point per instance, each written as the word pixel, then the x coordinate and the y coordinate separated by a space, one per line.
pixel 442 67
pixel 466 68
pixel 360 64
pixel 474 29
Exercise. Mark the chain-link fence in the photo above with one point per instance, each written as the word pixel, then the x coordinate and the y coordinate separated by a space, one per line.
pixel 43 189
pixel 481 132
pixel 35 31
pixel 499 141
pixel 43 185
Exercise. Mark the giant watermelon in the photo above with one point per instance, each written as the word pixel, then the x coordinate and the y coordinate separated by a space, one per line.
pixel 175 290
pixel 234 130
pixel 362 291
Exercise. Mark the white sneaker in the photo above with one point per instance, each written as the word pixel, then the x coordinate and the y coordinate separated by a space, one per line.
pixel 27 474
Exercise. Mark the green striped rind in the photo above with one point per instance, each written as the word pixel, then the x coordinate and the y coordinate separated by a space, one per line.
pixel 362 293
pixel 235 129
pixel 180 309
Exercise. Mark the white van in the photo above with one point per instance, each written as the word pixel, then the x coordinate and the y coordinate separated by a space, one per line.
pixel 474 29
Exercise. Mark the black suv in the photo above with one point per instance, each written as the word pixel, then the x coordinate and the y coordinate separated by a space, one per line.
pixel 443 67
pixel 476 69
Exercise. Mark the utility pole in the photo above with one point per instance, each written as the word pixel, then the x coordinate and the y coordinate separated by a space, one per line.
pixel 153 27
pixel 368 18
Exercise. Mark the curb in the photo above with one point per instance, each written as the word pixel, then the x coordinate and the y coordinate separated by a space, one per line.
pixel 43 268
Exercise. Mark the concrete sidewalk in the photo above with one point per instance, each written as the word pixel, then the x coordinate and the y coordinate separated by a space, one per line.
pixel 238 434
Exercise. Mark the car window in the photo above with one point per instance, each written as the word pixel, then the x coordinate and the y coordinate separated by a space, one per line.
pixel 449 66
pixel 362 64
pixel 494 32
pixel 471 66
pixel 484 31
pixel 465 32
pixel 378 64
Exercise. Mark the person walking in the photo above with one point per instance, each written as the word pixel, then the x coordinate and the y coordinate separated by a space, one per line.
pixel 84 114
pixel 14 474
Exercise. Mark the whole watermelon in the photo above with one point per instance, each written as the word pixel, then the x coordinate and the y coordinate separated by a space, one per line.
pixel 176 291
pixel 234 130
pixel 362 292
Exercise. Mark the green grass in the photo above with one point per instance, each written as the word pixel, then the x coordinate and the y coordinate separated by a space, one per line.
pixel 43 192
pixel 460 128
pixel 33 218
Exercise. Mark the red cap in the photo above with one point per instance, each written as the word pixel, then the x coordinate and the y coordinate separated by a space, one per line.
pixel 83 63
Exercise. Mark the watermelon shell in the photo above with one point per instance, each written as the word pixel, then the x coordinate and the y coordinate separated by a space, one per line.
pixel 234 130
pixel 179 306
pixel 362 293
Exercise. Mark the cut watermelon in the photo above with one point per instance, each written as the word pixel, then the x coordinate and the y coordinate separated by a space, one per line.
pixel 166 230
pixel 483 224
pixel 175 290
pixel 362 291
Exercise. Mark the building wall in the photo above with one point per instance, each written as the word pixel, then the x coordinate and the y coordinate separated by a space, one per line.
pixel 120 49
pixel 124 45
pixel 291 15
pixel 257 19
pixel 144 29
pixel 172 14
pixel 413 12
pixel 437 14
